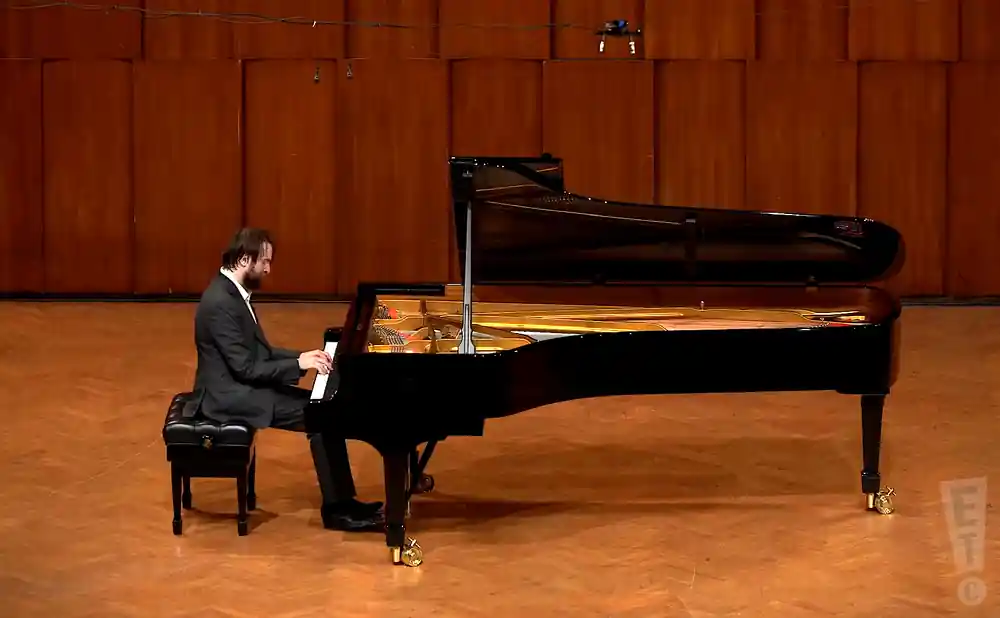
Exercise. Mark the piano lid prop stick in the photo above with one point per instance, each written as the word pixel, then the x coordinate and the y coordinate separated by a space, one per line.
pixel 465 346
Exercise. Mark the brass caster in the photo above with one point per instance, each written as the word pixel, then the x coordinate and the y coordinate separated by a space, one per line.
pixel 882 501
pixel 410 554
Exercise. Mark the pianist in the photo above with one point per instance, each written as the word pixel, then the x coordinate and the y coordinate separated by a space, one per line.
pixel 241 377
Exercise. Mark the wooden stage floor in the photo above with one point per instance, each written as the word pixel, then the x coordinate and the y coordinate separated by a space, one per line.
pixel 706 506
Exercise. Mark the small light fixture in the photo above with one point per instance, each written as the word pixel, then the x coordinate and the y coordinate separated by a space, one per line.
pixel 618 28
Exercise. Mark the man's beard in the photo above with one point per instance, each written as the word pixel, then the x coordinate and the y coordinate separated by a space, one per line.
pixel 251 282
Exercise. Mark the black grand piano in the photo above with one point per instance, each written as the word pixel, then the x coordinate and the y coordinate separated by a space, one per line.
pixel 564 297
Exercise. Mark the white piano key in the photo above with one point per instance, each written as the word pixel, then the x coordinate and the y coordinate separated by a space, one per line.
pixel 319 384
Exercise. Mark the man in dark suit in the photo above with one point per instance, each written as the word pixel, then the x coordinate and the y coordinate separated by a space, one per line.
pixel 241 377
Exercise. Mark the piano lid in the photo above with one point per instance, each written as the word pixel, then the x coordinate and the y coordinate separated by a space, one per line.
pixel 527 229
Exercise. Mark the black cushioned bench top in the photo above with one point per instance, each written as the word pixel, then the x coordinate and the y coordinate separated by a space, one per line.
pixel 178 430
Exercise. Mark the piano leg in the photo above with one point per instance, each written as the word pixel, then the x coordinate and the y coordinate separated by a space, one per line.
pixel 403 550
pixel 422 483
pixel 871 439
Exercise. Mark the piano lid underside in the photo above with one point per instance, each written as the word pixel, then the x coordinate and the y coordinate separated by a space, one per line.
pixel 433 325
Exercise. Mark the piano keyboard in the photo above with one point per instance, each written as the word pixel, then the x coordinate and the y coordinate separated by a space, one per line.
pixel 319 385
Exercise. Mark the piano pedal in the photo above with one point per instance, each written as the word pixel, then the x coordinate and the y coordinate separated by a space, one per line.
pixel 882 501
pixel 410 554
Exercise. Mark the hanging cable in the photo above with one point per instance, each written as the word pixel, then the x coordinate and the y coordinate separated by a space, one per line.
pixel 243 17
pixel 614 28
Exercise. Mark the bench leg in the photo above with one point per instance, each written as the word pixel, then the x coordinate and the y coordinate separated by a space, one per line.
pixel 176 487
pixel 241 497
pixel 186 496
pixel 251 483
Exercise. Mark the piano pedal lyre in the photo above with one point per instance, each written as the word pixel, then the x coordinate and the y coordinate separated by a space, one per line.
pixel 410 554
pixel 882 501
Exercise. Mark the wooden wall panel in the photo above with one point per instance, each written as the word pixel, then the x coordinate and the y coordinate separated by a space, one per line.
pixel 980 33
pixel 209 37
pixel 903 30
pixel 683 122
pixel 291 40
pixel 60 32
pixel 22 266
pixel 902 171
pixel 801 124
pixel 291 169
pixel 496 108
pixel 700 147
pixel 495 29
pixel 15 33
pixel 974 180
pixel 598 117
pixel 394 206
pixel 802 30
pixel 410 30
pixel 188 171
pixel 699 30
pixel 186 37
pixel 88 177
pixel 585 18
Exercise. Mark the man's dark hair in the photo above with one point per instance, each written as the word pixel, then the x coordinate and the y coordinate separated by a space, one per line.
pixel 248 242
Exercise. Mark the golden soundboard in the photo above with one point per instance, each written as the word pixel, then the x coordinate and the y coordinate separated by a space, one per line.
pixel 432 326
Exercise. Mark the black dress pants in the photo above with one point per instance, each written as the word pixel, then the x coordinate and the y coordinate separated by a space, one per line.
pixel 330 458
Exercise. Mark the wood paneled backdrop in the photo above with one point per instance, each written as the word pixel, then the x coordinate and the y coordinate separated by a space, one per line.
pixel 131 147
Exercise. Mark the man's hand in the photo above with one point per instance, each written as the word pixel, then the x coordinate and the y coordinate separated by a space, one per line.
pixel 316 359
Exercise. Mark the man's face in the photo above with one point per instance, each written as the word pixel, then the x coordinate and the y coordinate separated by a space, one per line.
pixel 256 271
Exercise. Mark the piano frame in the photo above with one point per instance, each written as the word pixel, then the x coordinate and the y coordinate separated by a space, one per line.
pixel 849 352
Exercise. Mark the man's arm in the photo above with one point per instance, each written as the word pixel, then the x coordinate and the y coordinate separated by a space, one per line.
pixel 228 336
pixel 283 353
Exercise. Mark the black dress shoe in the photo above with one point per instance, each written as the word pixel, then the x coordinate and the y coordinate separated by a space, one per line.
pixel 370 508
pixel 352 518
pixel 353 505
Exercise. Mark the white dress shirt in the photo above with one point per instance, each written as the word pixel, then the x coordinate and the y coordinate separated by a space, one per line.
pixel 243 292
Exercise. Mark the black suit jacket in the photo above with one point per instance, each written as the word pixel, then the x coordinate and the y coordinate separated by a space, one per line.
pixel 238 370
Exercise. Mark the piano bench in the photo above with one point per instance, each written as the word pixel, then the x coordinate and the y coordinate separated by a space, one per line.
pixel 203 448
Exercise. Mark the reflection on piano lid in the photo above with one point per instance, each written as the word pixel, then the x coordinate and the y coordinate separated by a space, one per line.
pixel 566 297
pixel 527 229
